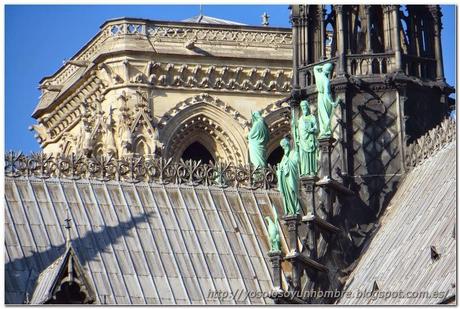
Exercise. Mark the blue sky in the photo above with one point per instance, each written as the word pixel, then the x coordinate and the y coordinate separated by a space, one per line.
pixel 39 37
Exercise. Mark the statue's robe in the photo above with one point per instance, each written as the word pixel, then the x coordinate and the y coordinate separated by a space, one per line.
pixel 258 138
pixel 308 145
pixel 325 103
pixel 288 182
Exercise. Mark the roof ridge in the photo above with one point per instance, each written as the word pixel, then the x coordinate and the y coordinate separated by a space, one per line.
pixel 429 144
pixel 206 19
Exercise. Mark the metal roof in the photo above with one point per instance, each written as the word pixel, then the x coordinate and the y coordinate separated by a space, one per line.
pixel 421 216
pixel 140 243
pixel 203 19
pixel 46 280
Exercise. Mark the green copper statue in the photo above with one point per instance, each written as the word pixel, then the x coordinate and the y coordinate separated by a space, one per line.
pixel 288 178
pixel 258 138
pixel 273 233
pixel 325 103
pixel 307 144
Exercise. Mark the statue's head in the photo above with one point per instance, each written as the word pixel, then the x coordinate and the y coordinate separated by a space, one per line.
pixel 256 116
pixel 327 68
pixel 285 144
pixel 305 108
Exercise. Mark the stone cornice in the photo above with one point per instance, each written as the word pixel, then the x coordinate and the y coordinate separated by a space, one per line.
pixel 224 78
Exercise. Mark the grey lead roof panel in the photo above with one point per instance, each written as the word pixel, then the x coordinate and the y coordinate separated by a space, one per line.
pixel 140 243
pixel 203 19
pixel 421 214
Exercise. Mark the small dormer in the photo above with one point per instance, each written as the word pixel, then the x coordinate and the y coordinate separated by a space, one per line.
pixel 64 281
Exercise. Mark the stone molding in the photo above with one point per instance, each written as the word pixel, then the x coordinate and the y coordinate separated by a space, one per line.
pixel 199 99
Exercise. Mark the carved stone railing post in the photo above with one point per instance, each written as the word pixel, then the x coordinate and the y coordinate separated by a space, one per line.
pixel 326 147
pixel 292 222
pixel 309 184
pixel 276 258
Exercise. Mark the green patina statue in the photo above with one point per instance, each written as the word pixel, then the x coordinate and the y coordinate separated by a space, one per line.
pixel 288 178
pixel 258 138
pixel 306 142
pixel 325 103
pixel 273 233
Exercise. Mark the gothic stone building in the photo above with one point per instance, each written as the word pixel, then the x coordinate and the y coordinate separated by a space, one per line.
pixel 108 213
pixel 170 89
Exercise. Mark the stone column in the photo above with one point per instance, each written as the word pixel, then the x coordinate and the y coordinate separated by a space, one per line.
pixel 341 39
pixel 437 27
pixel 306 35
pixel 396 38
pixel 368 33
pixel 323 32
pixel 295 11
pixel 275 259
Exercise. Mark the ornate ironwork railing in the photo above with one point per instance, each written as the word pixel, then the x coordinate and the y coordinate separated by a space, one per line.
pixel 430 143
pixel 139 169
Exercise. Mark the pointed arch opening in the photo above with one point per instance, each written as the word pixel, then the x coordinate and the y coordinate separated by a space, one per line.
pixel 197 152
pixel 99 149
pixel 141 147
pixel 69 293
pixel 205 120
pixel 275 156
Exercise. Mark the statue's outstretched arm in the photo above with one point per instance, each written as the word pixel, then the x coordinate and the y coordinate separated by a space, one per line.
pixel 329 96
pixel 337 102
pixel 317 69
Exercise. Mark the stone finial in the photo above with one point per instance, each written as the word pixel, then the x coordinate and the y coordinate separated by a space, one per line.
pixel 265 19
pixel 67 227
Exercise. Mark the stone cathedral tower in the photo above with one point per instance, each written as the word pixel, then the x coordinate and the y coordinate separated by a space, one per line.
pixel 388 70
pixel 388 75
